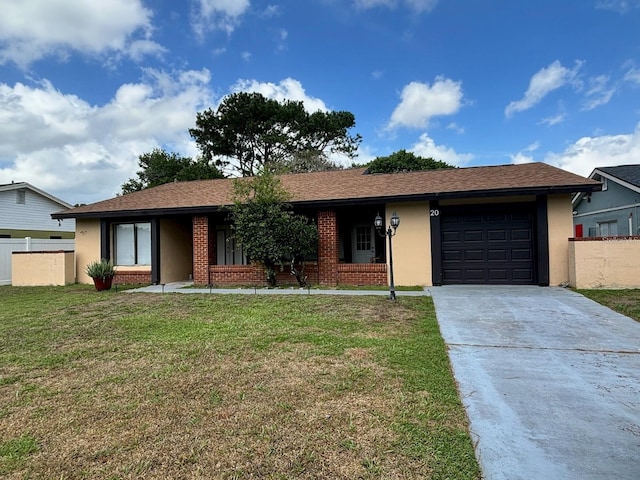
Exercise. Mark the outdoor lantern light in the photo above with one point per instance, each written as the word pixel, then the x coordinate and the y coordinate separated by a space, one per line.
pixel 390 232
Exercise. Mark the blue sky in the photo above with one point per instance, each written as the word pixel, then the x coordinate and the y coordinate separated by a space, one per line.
pixel 86 87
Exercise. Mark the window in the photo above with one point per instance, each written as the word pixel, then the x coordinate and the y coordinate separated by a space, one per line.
pixel 227 252
pixel 132 243
pixel 608 229
pixel 21 196
pixel 55 237
pixel 605 184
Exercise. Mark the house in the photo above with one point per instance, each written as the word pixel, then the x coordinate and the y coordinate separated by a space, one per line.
pixel 499 225
pixel 615 210
pixel 25 211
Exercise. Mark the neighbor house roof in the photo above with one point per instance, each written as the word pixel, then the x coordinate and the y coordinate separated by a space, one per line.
pixel 344 187
pixel 629 174
pixel 21 185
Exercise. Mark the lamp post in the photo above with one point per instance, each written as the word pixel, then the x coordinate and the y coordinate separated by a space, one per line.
pixel 390 232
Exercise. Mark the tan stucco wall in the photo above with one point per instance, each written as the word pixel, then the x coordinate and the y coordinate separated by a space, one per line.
pixel 560 219
pixel 87 247
pixel 412 243
pixel 611 263
pixel 176 251
pixel 30 269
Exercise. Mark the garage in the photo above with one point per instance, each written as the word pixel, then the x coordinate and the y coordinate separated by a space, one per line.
pixel 488 244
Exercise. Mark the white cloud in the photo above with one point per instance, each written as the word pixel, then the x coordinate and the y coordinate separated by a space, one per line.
pixel 633 75
pixel 415 5
pixel 620 6
pixel 553 120
pixel 588 153
pixel 32 30
pixel 287 89
pixel 599 92
pixel 217 15
pixel 456 128
pixel 426 147
pixel 421 101
pixel 541 84
pixel 83 153
pixel 525 155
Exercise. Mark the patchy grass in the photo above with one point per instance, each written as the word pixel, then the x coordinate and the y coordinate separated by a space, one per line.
pixel 626 301
pixel 130 385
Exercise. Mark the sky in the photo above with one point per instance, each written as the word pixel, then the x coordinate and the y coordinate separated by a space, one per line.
pixel 88 86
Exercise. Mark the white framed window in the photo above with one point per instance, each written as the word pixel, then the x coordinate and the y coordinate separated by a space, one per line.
pixel 608 229
pixel 21 196
pixel 132 243
pixel 605 183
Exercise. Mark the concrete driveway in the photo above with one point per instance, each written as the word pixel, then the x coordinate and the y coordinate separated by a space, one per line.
pixel 550 381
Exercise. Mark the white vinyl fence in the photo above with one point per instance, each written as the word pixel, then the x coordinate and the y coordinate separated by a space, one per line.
pixel 28 244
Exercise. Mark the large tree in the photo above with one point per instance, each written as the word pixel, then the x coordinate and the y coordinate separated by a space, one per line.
pixel 266 227
pixel 251 133
pixel 403 161
pixel 158 167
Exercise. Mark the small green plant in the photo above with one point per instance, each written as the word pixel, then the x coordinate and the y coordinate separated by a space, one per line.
pixel 100 269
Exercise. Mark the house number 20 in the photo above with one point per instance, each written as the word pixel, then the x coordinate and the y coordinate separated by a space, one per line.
pixel 434 212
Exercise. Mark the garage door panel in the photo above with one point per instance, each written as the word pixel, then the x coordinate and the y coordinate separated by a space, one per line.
pixel 474 255
pixel 497 255
pixel 490 244
pixel 521 234
pixel 473 236
pixel 497 236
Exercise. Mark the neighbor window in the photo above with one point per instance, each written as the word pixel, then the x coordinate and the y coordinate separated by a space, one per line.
pixel 608 229
pixel 21 196
pixel 132 243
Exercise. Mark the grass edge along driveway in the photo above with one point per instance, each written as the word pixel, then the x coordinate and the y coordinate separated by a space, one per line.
pixel 130 385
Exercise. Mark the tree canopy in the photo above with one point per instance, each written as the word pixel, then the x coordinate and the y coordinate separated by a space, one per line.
pixel 158 167
pixel 403 161
pixel 251 133
pixel 266 227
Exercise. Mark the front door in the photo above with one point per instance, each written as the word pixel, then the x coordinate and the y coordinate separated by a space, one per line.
pixel 364 247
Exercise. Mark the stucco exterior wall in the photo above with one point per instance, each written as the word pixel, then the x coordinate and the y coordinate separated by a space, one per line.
pixel 560 220
pixel 176 254
pixel 412 244
pixel 604 263
pixel 29 269
pixel 87 247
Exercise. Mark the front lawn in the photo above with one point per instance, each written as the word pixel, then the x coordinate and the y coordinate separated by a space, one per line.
pixel 122 385
pixel 626 301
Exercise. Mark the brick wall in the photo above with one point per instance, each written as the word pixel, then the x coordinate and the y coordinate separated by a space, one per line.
pixel 134 276
pixel 234 275
pixel 327 248
pixel 362 274
pixel 201 250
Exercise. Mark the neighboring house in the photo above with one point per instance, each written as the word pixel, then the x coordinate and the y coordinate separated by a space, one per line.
pixel 25 211
pixel 614 211
pixel 497 225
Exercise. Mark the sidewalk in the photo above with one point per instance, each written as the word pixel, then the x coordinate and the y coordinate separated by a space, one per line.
pixel 187 287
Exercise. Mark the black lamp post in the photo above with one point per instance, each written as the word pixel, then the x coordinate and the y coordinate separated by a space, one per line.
pixel 390 232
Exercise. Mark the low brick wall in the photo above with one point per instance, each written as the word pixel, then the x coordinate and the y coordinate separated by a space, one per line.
pixel 604 262
pixel 347 274
pixel 132 277
pixel 362 274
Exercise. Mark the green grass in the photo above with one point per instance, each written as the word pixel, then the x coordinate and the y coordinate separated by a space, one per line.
pixel 131 385
pixel 626 301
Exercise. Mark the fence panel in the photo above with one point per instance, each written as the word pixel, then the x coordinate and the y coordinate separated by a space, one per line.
pixel 9 245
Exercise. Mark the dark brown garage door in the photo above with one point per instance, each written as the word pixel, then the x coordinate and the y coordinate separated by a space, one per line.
pixel 488 244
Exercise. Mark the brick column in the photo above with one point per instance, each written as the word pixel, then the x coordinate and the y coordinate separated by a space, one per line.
pixel 327 248
pixel 200 249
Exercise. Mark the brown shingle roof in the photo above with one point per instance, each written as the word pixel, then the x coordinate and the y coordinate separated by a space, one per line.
pixel 348 186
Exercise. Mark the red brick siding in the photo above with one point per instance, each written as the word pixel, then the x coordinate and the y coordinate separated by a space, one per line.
pixel 134 276
pixel 201 250
pixel 362 274
pixel 327 248
pixel 233 275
